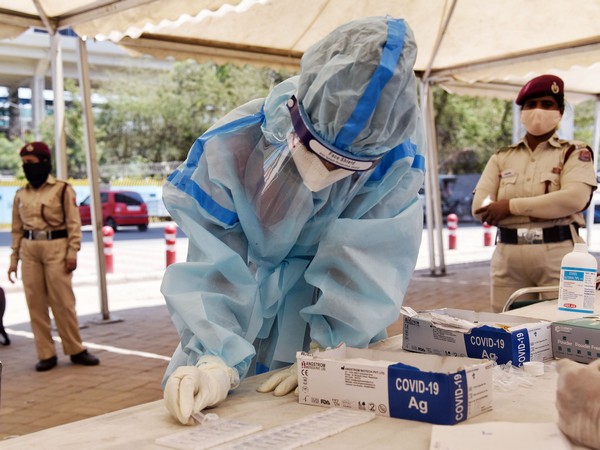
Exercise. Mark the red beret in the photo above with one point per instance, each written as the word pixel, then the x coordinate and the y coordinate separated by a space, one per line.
pixel 38 149
pixel 541 86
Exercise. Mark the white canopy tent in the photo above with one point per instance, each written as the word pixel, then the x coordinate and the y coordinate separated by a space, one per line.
pixel 478 47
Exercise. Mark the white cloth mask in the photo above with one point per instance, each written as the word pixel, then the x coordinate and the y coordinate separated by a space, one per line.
pixel 540 121
pixel 312 170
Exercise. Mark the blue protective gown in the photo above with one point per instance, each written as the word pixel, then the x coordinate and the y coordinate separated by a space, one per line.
pixel 267 272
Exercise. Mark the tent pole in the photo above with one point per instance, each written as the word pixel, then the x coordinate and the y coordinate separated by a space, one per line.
pixel 59 106
pixel 92 172
pixel 434 177
pixel 432 186
pixel 38 110
pixel 428 185
pixel 595 146
pixel 438 40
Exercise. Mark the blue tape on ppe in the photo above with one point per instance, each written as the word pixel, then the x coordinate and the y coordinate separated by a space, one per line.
pixel 182 179
pixel 390 56
pixel 405 150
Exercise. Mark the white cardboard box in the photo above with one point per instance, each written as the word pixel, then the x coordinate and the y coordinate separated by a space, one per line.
pixel 427 388
pixel 457 332
pixel 577 339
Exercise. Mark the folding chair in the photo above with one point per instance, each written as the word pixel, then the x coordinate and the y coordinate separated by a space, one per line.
pixel 512 302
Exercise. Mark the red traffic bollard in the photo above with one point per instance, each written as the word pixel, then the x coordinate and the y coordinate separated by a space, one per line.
pixel 170 236
pixel 452 223
pixel 487 234
pixel 107 239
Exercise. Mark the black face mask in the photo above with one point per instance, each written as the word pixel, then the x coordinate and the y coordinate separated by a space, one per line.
pixel 37 173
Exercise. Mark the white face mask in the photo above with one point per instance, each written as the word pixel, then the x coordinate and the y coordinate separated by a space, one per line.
pixel 540 121
pixel 312 170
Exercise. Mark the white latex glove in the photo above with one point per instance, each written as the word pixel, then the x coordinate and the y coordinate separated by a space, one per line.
pixel 190 389
pixel 282 382
pixel 578 401
pixel 285 381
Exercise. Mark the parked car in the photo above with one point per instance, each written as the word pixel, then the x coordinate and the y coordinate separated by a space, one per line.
pixel 458 195
pixel 119 208
pixel 456 192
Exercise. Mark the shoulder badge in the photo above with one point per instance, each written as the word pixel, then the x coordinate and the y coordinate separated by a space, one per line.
pixel 585 155
pixel 584 152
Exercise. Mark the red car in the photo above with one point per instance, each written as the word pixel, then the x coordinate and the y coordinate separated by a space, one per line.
pixel 119 208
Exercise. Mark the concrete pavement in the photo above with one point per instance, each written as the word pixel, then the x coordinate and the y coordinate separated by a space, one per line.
pixel 135 344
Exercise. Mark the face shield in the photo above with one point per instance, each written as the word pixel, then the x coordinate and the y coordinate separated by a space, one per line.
pixel 296 180
pixel 320 164
pixel 315 174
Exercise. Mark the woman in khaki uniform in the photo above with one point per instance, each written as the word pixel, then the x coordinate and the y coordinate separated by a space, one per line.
pixel 535 191
pixel 46 236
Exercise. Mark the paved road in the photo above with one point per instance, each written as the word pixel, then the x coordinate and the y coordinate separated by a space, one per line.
pixel 155 231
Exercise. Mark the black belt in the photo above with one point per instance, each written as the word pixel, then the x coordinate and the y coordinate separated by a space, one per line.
pixel 558 233
pixel 41 235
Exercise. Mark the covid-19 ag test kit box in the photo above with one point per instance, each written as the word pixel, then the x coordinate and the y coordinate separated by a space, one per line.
pixel 456 332
pixel 427 388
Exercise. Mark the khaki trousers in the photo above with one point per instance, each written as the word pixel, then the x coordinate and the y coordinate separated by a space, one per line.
pixel 516 266
pixel 48 286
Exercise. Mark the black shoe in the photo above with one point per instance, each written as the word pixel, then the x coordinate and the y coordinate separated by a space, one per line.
pixel 85 359
pixel 5 336
pixel 46 364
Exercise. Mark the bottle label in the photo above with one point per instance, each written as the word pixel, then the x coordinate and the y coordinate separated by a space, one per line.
pixel 577 289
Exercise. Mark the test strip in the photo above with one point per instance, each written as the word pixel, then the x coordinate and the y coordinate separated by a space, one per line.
pixel 302 431
pixel 208 435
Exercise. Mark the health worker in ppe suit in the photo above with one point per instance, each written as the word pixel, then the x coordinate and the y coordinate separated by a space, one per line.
pixel 303 218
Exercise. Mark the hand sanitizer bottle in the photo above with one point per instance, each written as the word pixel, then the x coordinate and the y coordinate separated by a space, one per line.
pixel 577 291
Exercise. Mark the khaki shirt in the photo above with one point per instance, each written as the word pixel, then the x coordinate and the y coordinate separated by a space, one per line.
pixel 44 209
pixel 543 189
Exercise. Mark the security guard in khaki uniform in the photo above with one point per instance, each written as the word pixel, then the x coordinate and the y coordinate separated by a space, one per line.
pixel 46 236
pixel 534 192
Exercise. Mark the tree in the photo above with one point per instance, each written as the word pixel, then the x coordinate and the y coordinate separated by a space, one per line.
pixel 584 121
pixel 150 117
pixel 476 125
pixel 10 162
pixel 462 161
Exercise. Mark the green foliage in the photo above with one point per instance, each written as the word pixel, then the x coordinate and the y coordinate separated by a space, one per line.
pixel 469 130
pixel 463 161
pixel 10 162
pixel 153 118
pixel 584 122
pixel 149 116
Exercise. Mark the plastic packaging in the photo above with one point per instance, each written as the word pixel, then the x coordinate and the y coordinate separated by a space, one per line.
pixel 578 281
pixel 535 368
